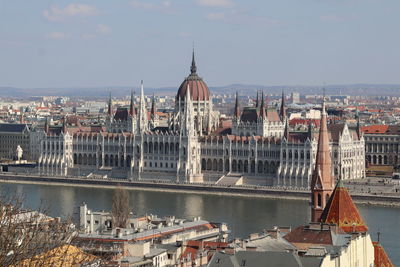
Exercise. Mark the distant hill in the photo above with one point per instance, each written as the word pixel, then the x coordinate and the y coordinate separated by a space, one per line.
pixel 119 91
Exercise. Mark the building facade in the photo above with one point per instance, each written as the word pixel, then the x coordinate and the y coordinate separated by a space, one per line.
pixel 259 145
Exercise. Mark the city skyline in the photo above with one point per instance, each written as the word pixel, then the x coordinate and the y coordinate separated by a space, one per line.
pixel 90 43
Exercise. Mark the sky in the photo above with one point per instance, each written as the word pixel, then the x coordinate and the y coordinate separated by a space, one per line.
pixel 100 43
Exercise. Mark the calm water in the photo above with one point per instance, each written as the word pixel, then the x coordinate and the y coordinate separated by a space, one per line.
pixel 244 215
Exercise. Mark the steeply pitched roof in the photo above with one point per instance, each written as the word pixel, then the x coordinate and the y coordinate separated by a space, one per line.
pixel 381 258
pixel 121 114
pixel 342 211
pixel 12 127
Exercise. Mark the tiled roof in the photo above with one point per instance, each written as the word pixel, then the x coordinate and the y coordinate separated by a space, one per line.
pixel 375 129
pixel 121 114
pixel 12 128
pixel 342 211
pixel 272 115
pixel 303 237
pixel 249 114
pixel 381 258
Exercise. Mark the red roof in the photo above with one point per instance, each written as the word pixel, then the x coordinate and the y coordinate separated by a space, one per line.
pixel 381 258
pixel 193 246
pixel 374 129
pixel 301 121
pixel 342 211
pixel 198 89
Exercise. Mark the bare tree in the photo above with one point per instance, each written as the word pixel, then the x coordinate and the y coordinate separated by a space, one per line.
pixel 120 207
pixel 31 238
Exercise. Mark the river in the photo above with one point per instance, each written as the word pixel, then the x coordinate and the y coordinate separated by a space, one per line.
pixel 244 215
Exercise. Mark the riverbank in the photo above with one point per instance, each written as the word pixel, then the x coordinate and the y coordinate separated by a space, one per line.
pixel 163 186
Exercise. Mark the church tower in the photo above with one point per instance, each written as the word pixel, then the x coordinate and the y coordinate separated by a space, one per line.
pixel 322 180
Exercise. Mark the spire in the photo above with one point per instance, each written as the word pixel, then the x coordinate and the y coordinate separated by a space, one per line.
pixel 188 114
pixel 109 106
pixel 358 129
pixel 286 133
pixel 193 68
pixel 310 129
pixel 322 179
pixel 237 108
pixel 263 115
pixel 282 112
pixel 142 112
pixel 131 106
pixel 257 100
pixel 64 126
pixel 153 107
pixel 46 126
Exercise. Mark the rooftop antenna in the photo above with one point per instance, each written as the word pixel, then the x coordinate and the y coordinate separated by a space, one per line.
pixel 379 235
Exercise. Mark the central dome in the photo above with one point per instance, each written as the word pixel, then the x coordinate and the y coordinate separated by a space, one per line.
pixel 198 88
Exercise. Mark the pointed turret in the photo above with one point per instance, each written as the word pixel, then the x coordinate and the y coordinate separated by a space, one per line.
pixel 142 112
pixel 64 125
pixel 132 106
pixel 237 107
pixel 263 115
pixel 193 68
pixel 257 100
pixel 188 114
pixel 153 108
pixel 286 132
pixel 282 112
pixel 322 179
pixel 109 112
pixel 342 211
pixel 310 130
pixel 46 126
pixel 358 129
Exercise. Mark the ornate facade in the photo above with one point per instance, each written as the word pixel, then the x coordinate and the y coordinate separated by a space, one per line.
pixel 259 145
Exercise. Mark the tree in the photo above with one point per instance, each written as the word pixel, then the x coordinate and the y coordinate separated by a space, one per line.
pixel 120 207
pixel 31 238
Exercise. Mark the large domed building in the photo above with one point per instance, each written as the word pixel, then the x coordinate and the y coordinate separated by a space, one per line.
pixel 206 120
pixel 198 88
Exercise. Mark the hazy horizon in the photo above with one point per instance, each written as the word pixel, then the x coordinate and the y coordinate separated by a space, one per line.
pixel 47 44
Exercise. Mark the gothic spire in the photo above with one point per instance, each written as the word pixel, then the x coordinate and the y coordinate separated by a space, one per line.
pixel 109 106
pixel 64 125
pixel 193 68
pixel 142 118
pixel 153 107
pixel 322 179
pixel 131 106
pixel 237 108
pixel 262 107
pixel 286 133
pixel 282 112
pixel 310 129
pixel 46 126
pixel 257 100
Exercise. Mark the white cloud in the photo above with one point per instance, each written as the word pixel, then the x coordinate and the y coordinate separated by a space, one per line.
pixel 103 29
pixel 146 5
pixel 57 36
pixel 215 3
pixel 55 13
